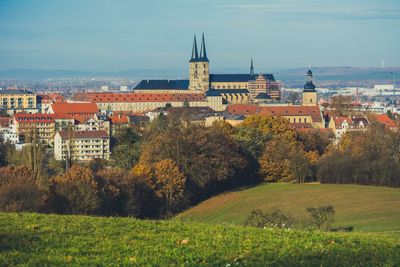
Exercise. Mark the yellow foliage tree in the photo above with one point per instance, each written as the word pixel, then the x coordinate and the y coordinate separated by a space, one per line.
pixel 276 126
pixel 168 183
pixel 78 173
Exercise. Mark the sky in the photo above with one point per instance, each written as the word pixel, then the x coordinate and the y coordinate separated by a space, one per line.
pixel 115 35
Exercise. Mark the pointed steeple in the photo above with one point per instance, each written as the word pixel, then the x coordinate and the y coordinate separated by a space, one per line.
pixel 195 55
pixel 251 67
pixel 203 53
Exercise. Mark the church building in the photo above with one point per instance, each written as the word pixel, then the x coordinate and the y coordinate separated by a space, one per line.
pixel 233 88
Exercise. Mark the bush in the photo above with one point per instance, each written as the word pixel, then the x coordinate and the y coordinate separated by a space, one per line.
pixel 276 219
pixel 323 216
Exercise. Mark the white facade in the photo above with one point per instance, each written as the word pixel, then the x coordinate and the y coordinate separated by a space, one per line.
pixel 81 146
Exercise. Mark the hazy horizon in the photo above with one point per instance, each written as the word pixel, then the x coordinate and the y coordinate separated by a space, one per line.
pixel 123 35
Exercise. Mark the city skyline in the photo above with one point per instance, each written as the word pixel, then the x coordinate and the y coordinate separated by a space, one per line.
pixel 114 36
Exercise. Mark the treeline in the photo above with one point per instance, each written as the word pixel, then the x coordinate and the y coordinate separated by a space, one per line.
pixel 172 164
pixel 368 158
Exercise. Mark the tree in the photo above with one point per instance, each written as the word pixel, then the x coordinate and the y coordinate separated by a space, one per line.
pixel 293 97
pixel 299 166
pixel 315 140
pixel 76 192
pixel 169 184
pixel 126 151
pixel 210 158
pixel 341 103
pixel 323 216
pixel 19 190
pixel 275 161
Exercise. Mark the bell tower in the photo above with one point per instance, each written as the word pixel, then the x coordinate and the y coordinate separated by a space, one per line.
pixel 199 74
pixel 309 92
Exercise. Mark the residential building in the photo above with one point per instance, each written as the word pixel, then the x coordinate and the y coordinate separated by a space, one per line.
pixel 81 146
pixel 37 125
pixel 142 102
pixel 342 124
pixel 15 100
pixel 77 111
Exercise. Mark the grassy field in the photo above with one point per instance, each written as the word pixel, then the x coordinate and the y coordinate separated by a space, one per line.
pixel 366 208
pixel 39 240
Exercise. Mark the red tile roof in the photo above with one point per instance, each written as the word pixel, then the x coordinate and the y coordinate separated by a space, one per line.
pixel 340 119
pixel 138 97
pixel 77 111
pixel 84 135
pixel 386 120
pixel 51 98
pixel 240 109
pixel 75 108
pixel 119 119
pixel 34 118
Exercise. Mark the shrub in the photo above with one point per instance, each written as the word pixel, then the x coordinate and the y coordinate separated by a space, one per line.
pixel 275 218
pixel 323 216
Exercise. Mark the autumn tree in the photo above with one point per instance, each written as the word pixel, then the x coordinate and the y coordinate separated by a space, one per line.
pixel 169 184
pixel 76 192
pixel 341 103
pixel 19 190
pixel 209 157
pixel 275 161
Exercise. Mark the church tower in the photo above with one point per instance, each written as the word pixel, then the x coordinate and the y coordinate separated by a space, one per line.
pixel 309 92
pixel 199 74
pixel 251 68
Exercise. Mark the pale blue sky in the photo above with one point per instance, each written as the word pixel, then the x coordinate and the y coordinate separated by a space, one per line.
pixel 112 35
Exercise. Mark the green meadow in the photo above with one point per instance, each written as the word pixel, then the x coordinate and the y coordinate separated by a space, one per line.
pixel 56 240
pixel 366 208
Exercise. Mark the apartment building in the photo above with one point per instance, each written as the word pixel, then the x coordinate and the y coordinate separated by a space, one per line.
pixel 81 146
pixel 37 125
pixel 15 100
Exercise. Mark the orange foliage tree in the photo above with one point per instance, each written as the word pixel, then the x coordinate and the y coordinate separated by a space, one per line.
pixel 168 183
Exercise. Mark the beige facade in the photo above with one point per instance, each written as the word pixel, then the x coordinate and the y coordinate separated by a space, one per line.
pixel 93 124
pixel 18 101
pixel 81 146
pixel 199 76
pixel 309 99
pixel 138 107
pixel 229 85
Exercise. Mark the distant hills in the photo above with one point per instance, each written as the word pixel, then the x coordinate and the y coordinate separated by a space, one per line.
pixel 324 76
pixel 340 76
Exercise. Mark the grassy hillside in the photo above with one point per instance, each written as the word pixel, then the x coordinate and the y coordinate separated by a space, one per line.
pixel 366 208
pixel 33 239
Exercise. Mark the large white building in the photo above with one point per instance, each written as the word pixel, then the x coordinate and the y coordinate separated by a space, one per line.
pixel 81 146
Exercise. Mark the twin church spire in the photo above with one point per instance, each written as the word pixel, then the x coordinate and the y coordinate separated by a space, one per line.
pixel 203 53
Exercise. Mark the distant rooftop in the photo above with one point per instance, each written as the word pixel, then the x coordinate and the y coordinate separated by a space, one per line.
pixel 15 92
pixel 162 84
pixel 238 77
